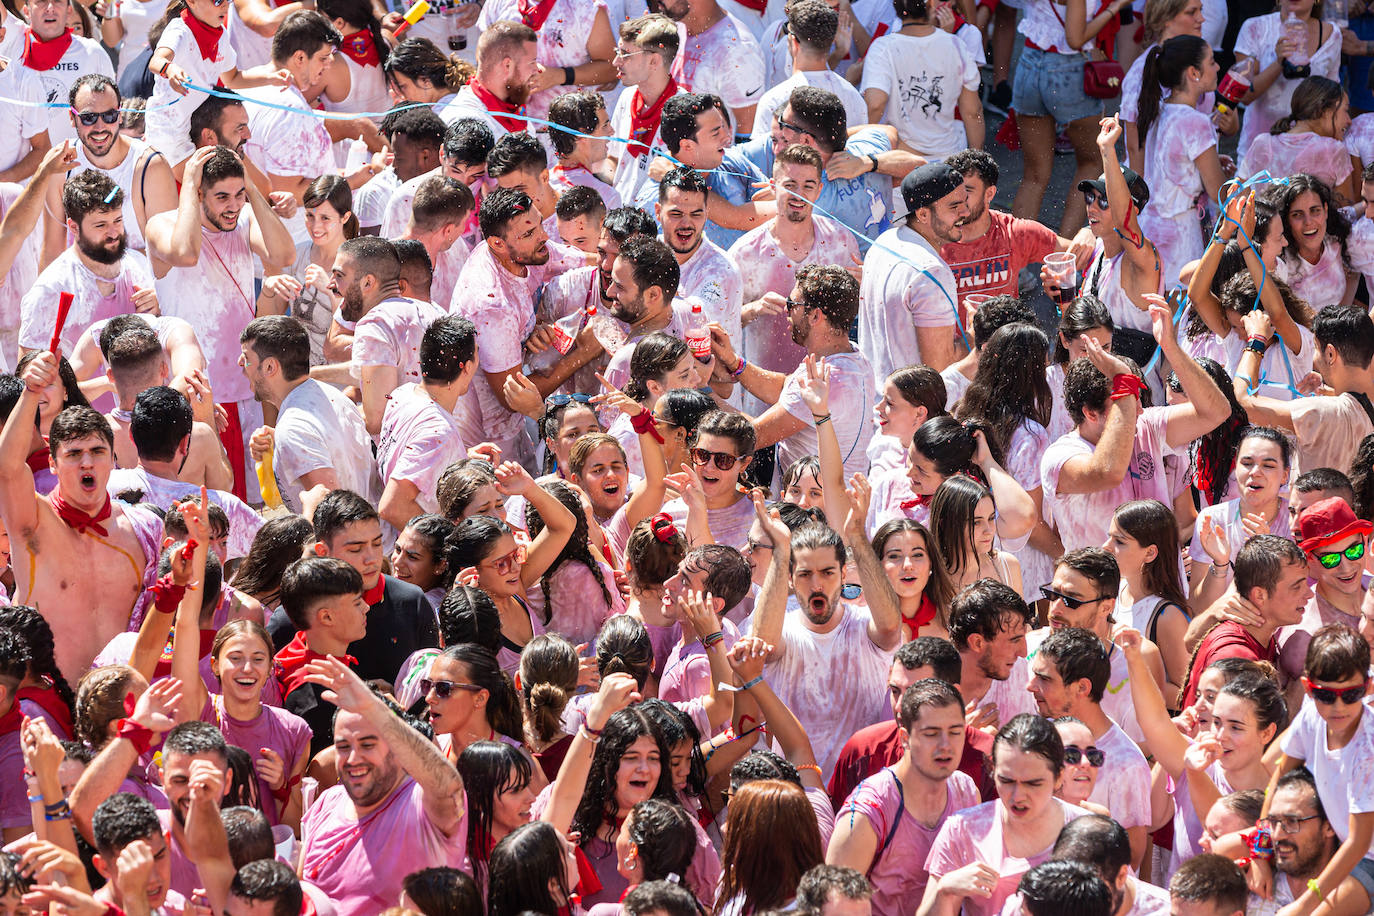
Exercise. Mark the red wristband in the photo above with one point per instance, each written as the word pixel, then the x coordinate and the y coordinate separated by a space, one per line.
pixel 137 735
pixel 1125 385
pixel 283 794
pixel 167 594
pixel 643 422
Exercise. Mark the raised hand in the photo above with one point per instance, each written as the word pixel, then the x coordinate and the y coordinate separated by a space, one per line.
pixel 747 657
pixel 157 709
pixel 41 372
pixel 1108 364
pixel 1128 639
pixel 342 686
pixel 698 608
pixel 616 399
pixel 815 388
pixel 1109 133
pixel 1212 537
pixel 860 494
pixel 617 691
pixel 512 479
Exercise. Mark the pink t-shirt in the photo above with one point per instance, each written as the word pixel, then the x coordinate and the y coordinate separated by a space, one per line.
pixel 389 335
pixel 899 875
pixel 729 526
pixel 687 671
pixel 1288 154
pixel 975 835
pixel 67 273
pixel 418 440
pixel 711 278
pixel 283 732
pixel 1082 518
pixel 359 863
pixel 14 801
pixel 579 607
pixel 1123 782
pixel 852 397
pixel 1359 139
pixel 185 876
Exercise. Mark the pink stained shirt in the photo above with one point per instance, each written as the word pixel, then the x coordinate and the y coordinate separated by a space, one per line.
pixel 389 335
pixel 687 671
pixel 975 835
pixel 418 440
pixel 899 871
pixel 579 605
pixel 359 863
pixel 284 733
pixel 67 273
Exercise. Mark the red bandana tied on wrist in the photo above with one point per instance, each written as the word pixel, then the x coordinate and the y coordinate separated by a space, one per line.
pixel 1125 385
pixel 207 36
pixel 167 594
pixel 44 55
pixel 361 48
pixel 534 14
pixel 139 736
pixel 499 110
pixel 644 120
pixel 374 594
pixel 291 662
pixel 79 521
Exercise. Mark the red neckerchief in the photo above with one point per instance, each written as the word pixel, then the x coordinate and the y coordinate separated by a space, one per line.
pixel 919 500
pixel 46 697
pixel 533 14
pixel 38 461
pixel 307 905
pixel 925 613
pixel 12 721
pixel 374 594
pixel 499 110
pixel 361 48
pixel 644 120
pixel 291 661
pixel 44 55
pixel 79 521
pixel 588 884
pixel 757 6
pixel 207 36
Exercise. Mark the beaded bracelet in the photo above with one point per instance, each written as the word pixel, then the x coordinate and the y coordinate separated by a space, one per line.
pixel 710 639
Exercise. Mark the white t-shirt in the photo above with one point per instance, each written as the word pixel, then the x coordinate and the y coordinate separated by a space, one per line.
pixel 83 56
pixel 1288 154
pixel 38 309
pixel 465 104
pixel 137 18
pixel 390 334
pixel 1359 139
pixel 1344 777
pixel 1320 284
pixel 563 39
pixel 724 60
pixel 369 201
pixel 1178 136
pixel 711 278
pixel 922 76
pixel 897 297
pixel 1257 38
pixel 419 439
pixel 836 682
pixel 1123 782
pixel 284 142
pixel 25 121
pixel 317 427
pixel 169 114
pixel 852 397
pixel 775 99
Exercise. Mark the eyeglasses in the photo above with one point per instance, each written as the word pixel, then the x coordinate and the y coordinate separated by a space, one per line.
pixel 1093 199
pixel 623 55
pixel 723 461
pixel 505 565
pixel 1070 602
pixel 1288 823
pixel 1327 696
pixel 753 546
pixel 554 401
pixel 1333 559
pixel 1073 754
pixel 795 129
pixel 444 689
pixel 88 118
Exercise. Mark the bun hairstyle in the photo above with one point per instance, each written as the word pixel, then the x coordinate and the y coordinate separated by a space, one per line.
pixel 949 444
pixel 1313 99
pixel 915 10
pixel 548 677
pixel 623 647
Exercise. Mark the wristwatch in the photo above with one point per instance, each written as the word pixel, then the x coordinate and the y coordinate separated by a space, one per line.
pixel 873 159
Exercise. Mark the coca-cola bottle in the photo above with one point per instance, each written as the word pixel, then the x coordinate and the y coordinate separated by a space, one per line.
pixel 697 334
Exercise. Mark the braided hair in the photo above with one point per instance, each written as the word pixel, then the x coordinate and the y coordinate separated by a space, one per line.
pixel 37 635
pixel 578 549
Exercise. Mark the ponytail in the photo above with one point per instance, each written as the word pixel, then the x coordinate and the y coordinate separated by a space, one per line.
pixel 1165 66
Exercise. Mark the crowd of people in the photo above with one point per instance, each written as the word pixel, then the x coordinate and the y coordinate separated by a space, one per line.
pixel 562 457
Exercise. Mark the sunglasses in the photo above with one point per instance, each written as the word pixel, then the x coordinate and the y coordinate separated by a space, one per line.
pixel 795 304
pixel 1073 754
pixel 1092 198
pixel 562 400
pixel 1333 559
pixel 505 565
pixel 1327 696
pixel 444 689
pixel 796 129
pixel 723 460
pixel 88 118
pixel 1070 602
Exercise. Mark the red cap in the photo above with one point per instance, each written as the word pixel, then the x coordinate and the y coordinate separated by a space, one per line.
pixel 1327 522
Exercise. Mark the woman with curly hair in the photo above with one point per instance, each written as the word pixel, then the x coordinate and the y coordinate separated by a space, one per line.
pixel 578 590
pixel 1316 263
pixel 43 692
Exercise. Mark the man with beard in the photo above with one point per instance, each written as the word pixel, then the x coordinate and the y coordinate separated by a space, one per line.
pixel 987 624
pixel 887 825
pixel 769 257
pixel 643 290
pixel 1304 843
pixel 706 273
pixel 830 659
pixel 398 808
pixel 820 309
pixel 520 162
pixel 908 309
pixel 995 246
pixel 496 292
pixel 104 277
pixel 143 176
pixel 506 73
pixel 385 352
pixel 202 254
pixel 222 120
pixel 319 437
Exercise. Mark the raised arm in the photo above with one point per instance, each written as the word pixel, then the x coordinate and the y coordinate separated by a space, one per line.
pixel 207 843
pixel 18 499
pixel 1240 214
pixel 1140 251
pixel 1207 406
pixel 270 238
pixel 747 657
pixel 815 392
pixel 559 523
pixel 422 760
pixel 186 642
pixel 1017 513
pixel 174 238
pixel 1260 410
pixel 648 497
pixel 885 627
pixel 22 217
pixel 771 605
pixel 1106 467
pixel 699 610
pixel 1165 741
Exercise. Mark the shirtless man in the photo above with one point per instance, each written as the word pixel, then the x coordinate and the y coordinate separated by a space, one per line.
pixel 79 557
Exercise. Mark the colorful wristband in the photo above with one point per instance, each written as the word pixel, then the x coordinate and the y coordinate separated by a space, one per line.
pixel 739 368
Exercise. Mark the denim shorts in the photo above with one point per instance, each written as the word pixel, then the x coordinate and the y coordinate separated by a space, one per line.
pixel 1051 85
pixel 1363 872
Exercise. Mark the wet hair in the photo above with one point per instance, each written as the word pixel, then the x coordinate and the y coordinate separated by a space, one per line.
pixel 551 426
pixel 762 763
pixel 1083 314
pixel 736 427
pixel 1210 878
pixel 282 338
pixel 488 769
pixel 653 357
pixel 308 582
pixel 76 423
pixel 1085 388
pixel 434 531
pixel 121 819
pixel 467 142
pixel 1261 560
pixel 440 201
pixel 623 222
pixel 727 572
pixel 1213 456
pixel 1240 293
pixel 223 165
pixel 986 608
pixel 306 31
pixel 581 453
pixel 499 207
pixel 623 647
pixel 1098 566
pixel 1010 390
pixel 1032 734
pixel 88 192
pixel 813 24
pixel 980 163
pixel 580 200
pixel 1152 524
pixel 1361 498
pixel 598 805
pixel 678 121
pixel 921 386
pixel 521 868
pixel 654 897
pixel 37 635
pixel 210 112
pixel 684 408
pixel 100 696
pixel 832 290
pixel 517 152
pixel 1078 655
pixel 420 59
pixel 249 834
pixel 458 486
pixel 577 112
pixel 677 727
pixel 1336 653
pixel 161 420
pixel 948 444
pixel 443 891
pixel 952 511
pixel 268 879
pixel 1165 66
pixel 1314 97
pixel 420 126
pixel 472 540
pixel 816 536
pixel 654 33
pixel 649 561
pixel 823 883
pixel 939 654
pixel 338 510
pixel 652 263
pixel 196 739
pixel 1283 196
pixel 1349 329
pixel 771 840
pixel 1095 840
pixel 483 670
pixel 822 113
pixel 468 615
pixel 928 691
pixel 96 83
pixel 549 669
pixel 1062 888
pixel 279 542
pixel 1263 693
pixel 1327 480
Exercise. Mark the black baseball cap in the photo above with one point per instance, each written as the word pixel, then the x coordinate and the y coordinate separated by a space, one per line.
pixel 927 184
pixel 1140 191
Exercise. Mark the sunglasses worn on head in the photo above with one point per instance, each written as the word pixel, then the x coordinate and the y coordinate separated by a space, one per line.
pixel 1073 754
pixel 1327 696
pixel 560 400
pixel 1070 602
pixel 444 689
pixel 88 118
pixel 722 460
pixel 1333 559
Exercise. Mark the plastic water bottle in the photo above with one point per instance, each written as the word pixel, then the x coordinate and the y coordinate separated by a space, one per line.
pixel 357 155
pixel 698 337
pixel 1295 30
